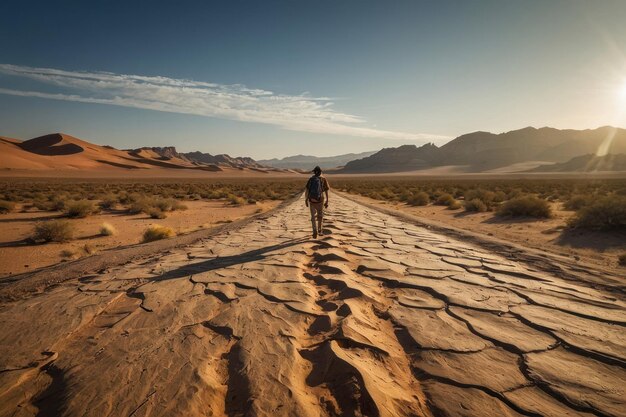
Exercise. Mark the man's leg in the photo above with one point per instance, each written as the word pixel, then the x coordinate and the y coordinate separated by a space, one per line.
pixel 313 215
pixel 320 218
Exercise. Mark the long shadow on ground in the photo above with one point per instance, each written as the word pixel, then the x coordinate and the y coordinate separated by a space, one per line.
pixel 226 261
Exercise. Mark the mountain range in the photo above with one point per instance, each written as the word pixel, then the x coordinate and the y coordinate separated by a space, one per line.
pixel 308 162
pixel 484 151
pixel 524 150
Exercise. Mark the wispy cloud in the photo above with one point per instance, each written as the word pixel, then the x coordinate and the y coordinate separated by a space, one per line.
pixel 234 102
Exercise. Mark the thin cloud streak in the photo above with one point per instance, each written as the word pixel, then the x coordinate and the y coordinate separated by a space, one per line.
pixel 233 102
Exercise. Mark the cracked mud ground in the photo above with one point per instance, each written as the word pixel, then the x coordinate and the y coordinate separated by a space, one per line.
pixel 379 317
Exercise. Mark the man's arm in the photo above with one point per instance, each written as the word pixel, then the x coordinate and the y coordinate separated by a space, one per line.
pixel 326 188
pixel 306 194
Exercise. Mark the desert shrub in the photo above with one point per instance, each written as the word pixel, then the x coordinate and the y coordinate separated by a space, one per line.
pixel 499 196
pixel 109 201
pixel 155 213
pixel 58 204
pixel 6 206
pixel 142 205
pixel 80 209
pixel 157 232
pixel 485 196
pixel 475 205
pixel 528 205
pixel 107 229
pixel 622 259
pixel 236 200
pixel 444 199
pixel 454 205
pixel 419 199
pixel 605 213
pixel 578 201
pixel 54 231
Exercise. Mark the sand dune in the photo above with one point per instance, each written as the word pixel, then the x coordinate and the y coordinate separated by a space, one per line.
pixel 378 318
pixel 59 154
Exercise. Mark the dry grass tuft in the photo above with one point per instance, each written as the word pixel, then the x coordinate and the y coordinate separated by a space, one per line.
pixel 157 232
pixel 107 229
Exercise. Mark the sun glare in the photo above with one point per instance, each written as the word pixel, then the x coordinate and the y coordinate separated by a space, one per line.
pixel 622 91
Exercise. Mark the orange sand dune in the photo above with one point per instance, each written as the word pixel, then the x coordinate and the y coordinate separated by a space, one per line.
pixel 64 155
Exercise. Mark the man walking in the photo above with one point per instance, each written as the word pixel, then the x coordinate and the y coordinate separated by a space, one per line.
pixel 316 189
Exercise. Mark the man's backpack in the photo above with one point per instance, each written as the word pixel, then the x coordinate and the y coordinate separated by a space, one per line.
pixel 315 189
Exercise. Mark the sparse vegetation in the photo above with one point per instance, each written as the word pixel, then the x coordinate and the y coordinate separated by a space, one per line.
pixel 526 206
pixel 53 231
pixel 476 205
pixel 107 229
pixel 445 199
pixel 577 201
pixel 605 213
pixel 80 209
pixel 418 199
pixel 157 232
pixel 454 205
pixel 155 213
pixel 6 206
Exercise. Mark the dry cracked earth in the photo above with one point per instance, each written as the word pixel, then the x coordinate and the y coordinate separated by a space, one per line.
pixel 378 317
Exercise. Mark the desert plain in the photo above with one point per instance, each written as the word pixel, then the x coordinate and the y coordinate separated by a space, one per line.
pixel 383 315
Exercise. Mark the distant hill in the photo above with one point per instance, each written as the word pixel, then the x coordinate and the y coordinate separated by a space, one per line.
pixel 403 158
pixel 200 158
pixel 587 163
pixel 483 151
pixel 62 152
pixel 307 162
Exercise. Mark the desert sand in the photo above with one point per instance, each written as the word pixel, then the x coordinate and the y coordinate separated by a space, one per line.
pixel 19 255
pixel 600 248
pixel 378 317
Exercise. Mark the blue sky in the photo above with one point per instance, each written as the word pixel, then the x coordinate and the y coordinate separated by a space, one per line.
pixel 277 78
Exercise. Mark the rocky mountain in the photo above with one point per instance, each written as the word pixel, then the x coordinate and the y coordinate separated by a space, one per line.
pixel 307 162
pixel 588 163
pixel 403 158
pixel 483 151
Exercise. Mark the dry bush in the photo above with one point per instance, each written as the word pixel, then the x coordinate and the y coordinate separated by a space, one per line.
pixel 155 213
pixel 454 205
pixel 6 206
pixel 157 232
pixel 54 231
pixel 476 205
pixel 236 200
pixel 419 199
pixel 109 201
pixel 444 199
pixel 485 196
pixel 577 201
pixel 605 213
pixel 107 229
pixel 526 206
pixel 80 209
